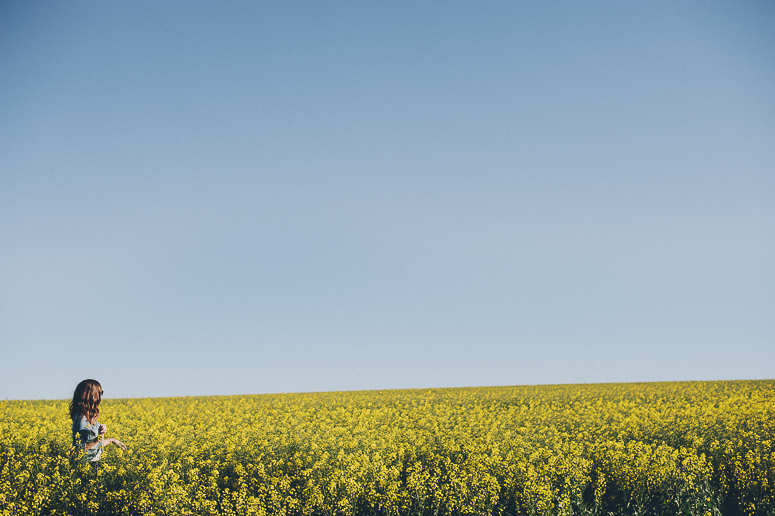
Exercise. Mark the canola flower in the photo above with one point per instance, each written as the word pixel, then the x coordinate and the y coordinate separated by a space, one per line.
pixel 693 448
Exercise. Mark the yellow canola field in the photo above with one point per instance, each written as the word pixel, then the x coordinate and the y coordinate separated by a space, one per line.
pixel 699 448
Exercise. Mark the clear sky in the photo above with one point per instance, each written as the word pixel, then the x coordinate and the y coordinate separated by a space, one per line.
pixel 205 198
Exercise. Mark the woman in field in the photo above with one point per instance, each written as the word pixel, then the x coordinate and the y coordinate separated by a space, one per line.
pixel 84 410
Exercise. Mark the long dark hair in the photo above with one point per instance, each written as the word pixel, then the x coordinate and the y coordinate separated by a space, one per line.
pixel 86 400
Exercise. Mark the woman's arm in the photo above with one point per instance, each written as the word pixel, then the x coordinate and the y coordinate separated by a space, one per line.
pixel 106 442
pixel 88 438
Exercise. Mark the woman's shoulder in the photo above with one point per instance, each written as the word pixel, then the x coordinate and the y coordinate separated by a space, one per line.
pixel 80 421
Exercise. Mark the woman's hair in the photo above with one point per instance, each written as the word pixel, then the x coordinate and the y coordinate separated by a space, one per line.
pixel 86 400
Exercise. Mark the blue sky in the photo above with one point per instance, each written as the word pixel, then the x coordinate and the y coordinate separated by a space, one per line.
pixel 205 198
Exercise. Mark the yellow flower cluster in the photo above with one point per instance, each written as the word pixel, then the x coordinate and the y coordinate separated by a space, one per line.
pixel 694 448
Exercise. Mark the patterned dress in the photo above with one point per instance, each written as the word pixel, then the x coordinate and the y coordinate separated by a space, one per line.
pixel 84 433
